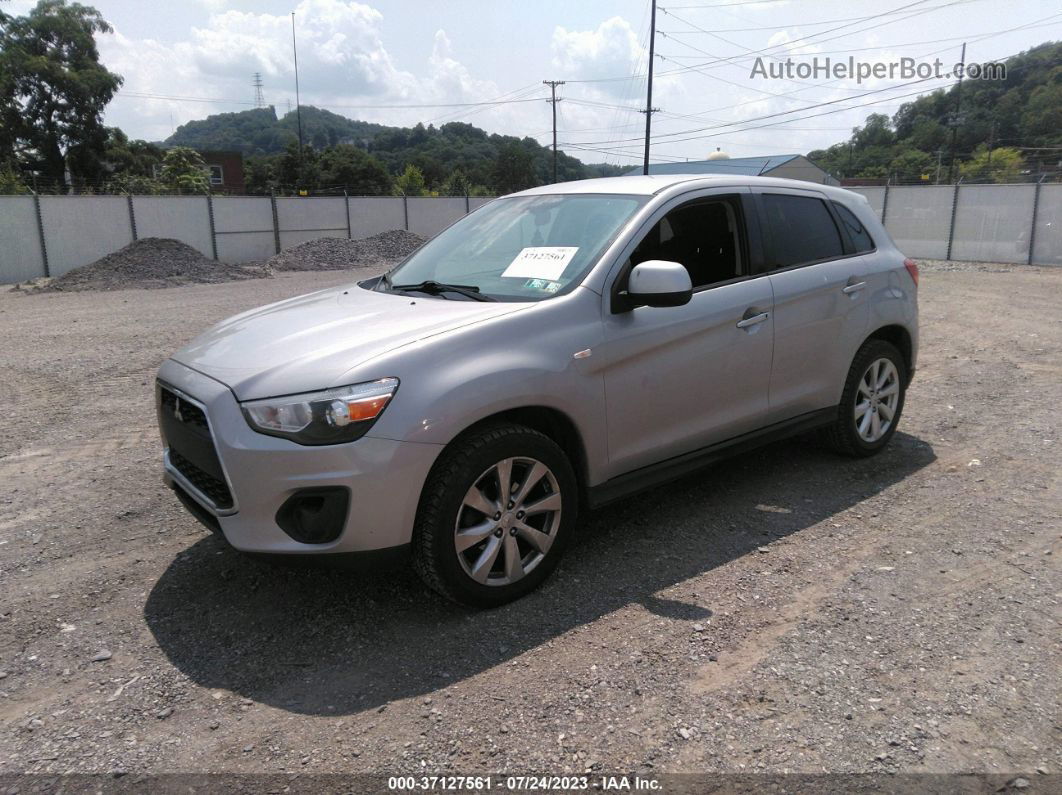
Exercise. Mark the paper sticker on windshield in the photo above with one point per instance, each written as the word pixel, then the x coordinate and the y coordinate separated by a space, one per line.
pixel 541 262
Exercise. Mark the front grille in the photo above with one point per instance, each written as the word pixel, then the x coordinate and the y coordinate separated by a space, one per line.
pixel 191 446
pixel 215 489
pixel 190 412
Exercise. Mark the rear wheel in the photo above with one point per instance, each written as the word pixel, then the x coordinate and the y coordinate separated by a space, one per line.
pixel 872 401
pixel 494 516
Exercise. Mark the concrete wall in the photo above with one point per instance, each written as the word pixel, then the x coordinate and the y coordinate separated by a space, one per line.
pixel 992 223
pixel 243 227
pixel 369 215
pixel 301 220
pixel 1047 245
pixel 20 241
pixel 428 217
pixel 983 223
pixel 184 218
pixel 76 233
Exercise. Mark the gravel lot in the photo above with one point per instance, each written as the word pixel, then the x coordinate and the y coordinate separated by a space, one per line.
pixel 786 610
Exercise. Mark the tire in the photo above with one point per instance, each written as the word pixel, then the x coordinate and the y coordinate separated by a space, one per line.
pixel 453 540
pixel 845 435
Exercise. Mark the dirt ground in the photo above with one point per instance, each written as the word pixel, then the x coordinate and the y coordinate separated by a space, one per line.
pixel 786 610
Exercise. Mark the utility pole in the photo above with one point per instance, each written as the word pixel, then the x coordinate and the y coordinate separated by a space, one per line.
pixel 955 120
pixel 298 109
pixel 553 101
pixel 940 154
pixel 259 100
pixel 649 90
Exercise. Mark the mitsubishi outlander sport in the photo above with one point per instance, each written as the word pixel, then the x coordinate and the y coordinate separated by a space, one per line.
pixel 552 351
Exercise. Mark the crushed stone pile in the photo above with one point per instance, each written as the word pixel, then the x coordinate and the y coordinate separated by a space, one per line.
pixel 150 262
pixel 337 253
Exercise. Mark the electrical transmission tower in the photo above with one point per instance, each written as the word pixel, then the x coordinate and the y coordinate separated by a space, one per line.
pixel 259 100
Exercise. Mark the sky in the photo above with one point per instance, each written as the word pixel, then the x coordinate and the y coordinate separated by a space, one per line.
pixel 400 62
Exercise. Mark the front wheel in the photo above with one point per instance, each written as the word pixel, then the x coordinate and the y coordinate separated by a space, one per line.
pixel 495 514
pixel 872 401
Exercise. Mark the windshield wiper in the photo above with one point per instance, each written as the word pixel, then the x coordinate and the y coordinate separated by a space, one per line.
pixel 438 288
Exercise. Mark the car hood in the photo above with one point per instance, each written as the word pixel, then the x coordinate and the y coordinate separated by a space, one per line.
pixel 308 343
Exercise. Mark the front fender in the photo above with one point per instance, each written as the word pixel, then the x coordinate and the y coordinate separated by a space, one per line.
pixel 454 380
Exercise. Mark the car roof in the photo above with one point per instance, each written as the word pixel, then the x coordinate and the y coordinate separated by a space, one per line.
pixel 653 184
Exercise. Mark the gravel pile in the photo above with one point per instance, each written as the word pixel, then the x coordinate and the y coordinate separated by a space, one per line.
pixel 335 253
pixel 150 262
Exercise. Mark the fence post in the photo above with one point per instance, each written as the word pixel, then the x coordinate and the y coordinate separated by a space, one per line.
pixel 1035 212
pixel 276 222
pixel 132 216
pixel 40 231
pixel 405 211
pixel 885 204
pixel 468 206
pixel 213 231
pixel 346 211
pixel 951 223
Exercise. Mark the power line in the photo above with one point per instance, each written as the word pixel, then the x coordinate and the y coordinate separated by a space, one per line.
pixel 410 106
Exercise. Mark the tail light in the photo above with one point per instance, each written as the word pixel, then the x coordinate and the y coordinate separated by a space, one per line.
pixel 912 268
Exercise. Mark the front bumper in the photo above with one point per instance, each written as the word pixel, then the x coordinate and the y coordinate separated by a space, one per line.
pixel 384 477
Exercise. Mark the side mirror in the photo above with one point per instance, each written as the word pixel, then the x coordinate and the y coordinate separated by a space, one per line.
pixel 657 282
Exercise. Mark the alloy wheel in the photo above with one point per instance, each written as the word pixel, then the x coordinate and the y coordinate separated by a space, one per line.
pixel 877 397
pixel 508 520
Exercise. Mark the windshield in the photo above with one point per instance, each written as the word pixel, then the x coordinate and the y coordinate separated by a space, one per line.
pixel 521 248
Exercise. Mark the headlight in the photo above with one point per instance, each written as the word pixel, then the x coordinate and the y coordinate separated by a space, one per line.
pixel 333 416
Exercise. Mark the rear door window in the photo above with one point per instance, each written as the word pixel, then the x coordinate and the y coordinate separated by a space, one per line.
pixel 802 229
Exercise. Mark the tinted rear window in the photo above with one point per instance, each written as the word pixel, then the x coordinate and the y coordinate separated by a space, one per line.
pixel 802 229
pixel 860 236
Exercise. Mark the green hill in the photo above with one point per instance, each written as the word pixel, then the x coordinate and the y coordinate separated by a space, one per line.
pixel 437 151
pixel 1019 118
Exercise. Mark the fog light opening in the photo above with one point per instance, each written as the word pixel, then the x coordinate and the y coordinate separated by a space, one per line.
pixel 315 516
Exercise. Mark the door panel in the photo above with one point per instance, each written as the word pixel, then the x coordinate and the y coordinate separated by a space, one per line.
pixel 680 378
pixel 817 328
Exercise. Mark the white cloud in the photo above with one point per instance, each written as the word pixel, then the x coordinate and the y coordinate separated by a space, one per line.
pixel 343 63
pixel 611 50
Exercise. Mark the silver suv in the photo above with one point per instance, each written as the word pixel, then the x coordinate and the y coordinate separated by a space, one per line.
pixel 554 350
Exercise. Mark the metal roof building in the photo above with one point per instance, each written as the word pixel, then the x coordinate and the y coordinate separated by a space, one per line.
pixel 786 166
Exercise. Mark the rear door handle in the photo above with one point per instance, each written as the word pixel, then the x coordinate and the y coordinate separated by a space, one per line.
pixel 854 288
pixel 752 321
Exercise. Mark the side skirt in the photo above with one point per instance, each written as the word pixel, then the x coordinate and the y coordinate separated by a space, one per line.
pixel 672 468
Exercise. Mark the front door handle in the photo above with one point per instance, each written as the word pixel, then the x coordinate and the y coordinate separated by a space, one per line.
pixel 754 320
pixel 854 288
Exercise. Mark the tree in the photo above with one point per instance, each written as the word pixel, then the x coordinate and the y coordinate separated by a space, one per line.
pixel 513 169
pixel 183 171
pixel 911 164
pixel 350 168
pixel 133 184
pixel 10 180
pixel 260 175
pixel 410 183
pixel 457 184
pixel 997 165
pixel 297 170
pixel 53 88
